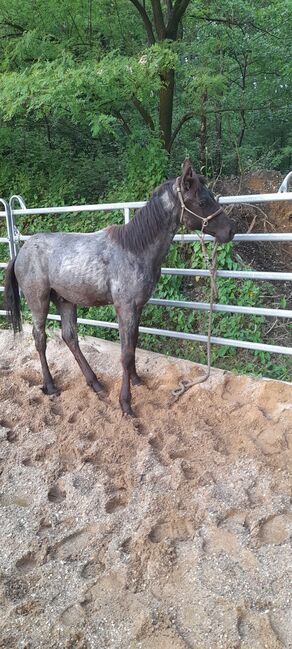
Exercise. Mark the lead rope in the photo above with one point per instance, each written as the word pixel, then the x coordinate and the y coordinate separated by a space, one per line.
pixel 184 384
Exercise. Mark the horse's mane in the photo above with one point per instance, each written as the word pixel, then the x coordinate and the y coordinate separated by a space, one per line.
pixel 143 229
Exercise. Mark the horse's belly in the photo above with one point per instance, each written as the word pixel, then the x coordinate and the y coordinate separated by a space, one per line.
pixel 83 298
pixel 81 288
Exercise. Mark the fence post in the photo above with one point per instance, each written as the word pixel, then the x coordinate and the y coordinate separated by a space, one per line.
pixel 16 233
pixel 127 214
pixel 9 227
pixel 284 185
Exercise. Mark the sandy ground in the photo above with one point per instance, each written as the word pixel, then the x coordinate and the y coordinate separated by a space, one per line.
pixel 170 531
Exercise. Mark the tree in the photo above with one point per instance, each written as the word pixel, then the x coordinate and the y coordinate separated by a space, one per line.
pixel 121 101
pixel 164 27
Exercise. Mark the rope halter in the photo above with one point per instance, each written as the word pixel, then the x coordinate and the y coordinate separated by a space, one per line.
pixel 184 208
pixel 185 384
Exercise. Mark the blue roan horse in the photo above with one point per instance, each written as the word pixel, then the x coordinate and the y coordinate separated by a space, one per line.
pixel 119 265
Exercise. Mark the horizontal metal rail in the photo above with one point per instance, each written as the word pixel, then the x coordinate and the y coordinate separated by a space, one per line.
pixel 255 198
pixel 255 236
pixel 188 238
pixel 239 274
pixel 236 274
pixel 243 344
pixel 63 209
pixel 226 308
pixel 223 200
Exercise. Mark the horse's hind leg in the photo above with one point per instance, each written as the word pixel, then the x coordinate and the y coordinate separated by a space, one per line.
pixel 68 313
pixel 40 338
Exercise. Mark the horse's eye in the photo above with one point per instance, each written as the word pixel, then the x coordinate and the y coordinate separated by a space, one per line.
pixel 202 203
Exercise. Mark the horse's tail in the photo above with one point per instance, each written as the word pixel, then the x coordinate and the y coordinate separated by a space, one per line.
pixel 12 298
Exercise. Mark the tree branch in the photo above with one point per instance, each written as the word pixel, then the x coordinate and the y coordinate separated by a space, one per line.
pixel 177 12
pixel 10 36
pixel 181 122
pixel 250 110
pixel 144 114
pixel 234 23
pixel 192 114
pixel 9 23
pixel 158 19
pixel 121 119
pixel 49 133
pixel 146 21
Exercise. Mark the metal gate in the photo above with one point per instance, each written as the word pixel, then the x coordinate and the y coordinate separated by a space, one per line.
pixel 13 238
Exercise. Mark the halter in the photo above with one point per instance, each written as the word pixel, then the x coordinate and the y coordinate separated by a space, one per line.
pixel 205 220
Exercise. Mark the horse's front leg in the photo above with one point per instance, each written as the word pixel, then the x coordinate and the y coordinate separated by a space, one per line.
pixel 128 316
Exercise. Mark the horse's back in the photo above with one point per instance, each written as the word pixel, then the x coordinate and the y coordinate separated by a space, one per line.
pixel 45 248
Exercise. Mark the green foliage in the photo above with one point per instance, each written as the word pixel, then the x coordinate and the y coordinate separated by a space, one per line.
pixel 146 166
pixel 159 57
pixel 104 313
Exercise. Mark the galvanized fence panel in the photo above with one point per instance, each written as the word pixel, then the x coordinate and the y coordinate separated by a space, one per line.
pixel 14 237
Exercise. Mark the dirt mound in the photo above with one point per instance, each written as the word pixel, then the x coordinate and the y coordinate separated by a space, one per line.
pixel 266 217
pixel 170 531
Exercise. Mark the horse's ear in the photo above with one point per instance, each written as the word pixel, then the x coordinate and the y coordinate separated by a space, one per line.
pixel 202 179
pixel 188 175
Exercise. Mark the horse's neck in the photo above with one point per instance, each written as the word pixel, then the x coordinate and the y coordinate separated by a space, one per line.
pixel 152 229
pixel 159 249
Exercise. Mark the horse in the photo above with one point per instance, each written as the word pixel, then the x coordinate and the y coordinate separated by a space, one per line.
pixel 119 265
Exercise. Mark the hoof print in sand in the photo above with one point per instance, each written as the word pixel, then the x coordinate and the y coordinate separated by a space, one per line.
pixel 7 434
pixel 15 588
pixel 92 569
pixel 27 563
pixel 180 529
pixel 115 503
pixel 31 378
pixel 56 494
pixel 276 529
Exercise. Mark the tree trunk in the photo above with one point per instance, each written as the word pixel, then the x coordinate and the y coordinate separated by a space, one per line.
pixel 243 127
pixel 166 107
pixel 203 132
pixel 167 15
pixel 243 68
pixel 218 142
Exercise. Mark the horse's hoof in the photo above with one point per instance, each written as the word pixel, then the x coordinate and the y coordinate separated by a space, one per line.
pixel 51 390
pixel 136 380
pixel 98 388
pixel 128 412
pixel 103 396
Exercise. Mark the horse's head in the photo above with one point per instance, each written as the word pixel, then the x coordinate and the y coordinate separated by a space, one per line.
pixel 199 208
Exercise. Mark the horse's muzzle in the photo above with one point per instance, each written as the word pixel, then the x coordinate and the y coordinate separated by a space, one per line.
pixel 232 229
pixel 227 233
